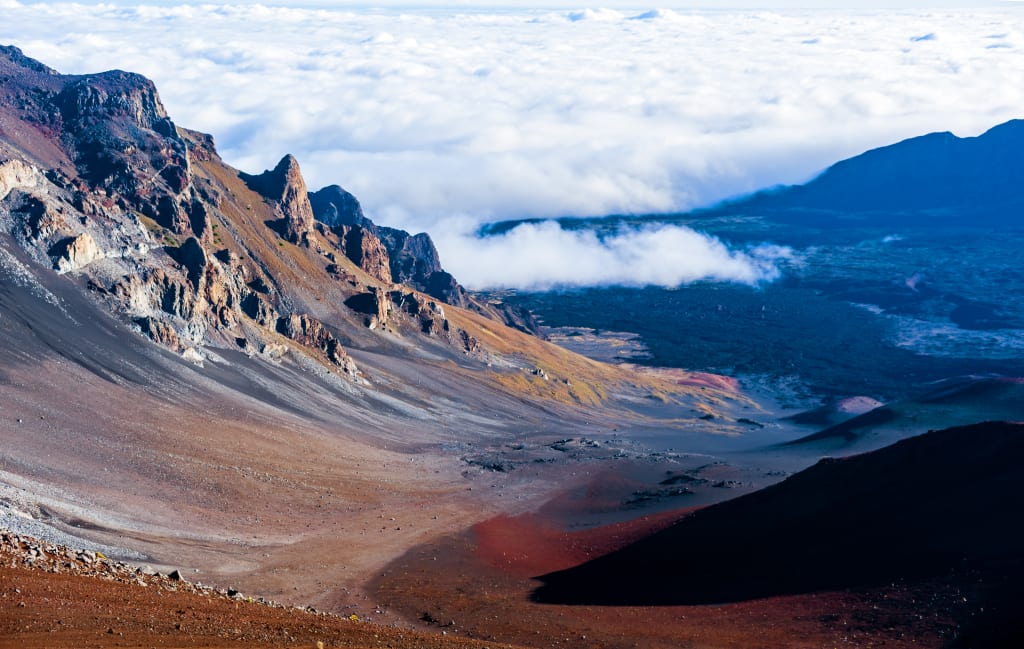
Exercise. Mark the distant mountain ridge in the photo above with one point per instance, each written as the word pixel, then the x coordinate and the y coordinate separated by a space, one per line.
pixel 935 178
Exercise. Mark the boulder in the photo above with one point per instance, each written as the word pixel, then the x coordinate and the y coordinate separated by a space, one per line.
pixel 76 252
pixel 15 174
pixel 310 332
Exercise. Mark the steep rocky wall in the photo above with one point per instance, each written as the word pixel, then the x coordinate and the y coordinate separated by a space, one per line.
pixel 285 187
pixel 394 255
pixel 191 252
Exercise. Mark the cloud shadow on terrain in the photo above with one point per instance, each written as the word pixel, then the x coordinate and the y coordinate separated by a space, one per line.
pixel 942 505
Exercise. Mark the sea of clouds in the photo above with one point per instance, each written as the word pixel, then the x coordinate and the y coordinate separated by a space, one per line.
pixel 445 119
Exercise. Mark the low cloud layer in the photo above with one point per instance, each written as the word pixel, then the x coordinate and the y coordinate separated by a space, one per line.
pixel 498 114
pixel 544 256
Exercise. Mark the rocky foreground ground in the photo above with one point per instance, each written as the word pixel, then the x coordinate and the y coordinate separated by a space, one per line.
pixel 56 596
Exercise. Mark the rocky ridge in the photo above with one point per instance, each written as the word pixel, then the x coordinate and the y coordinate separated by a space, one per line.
pixel 98 183
pixel 393 255
pixel 930 180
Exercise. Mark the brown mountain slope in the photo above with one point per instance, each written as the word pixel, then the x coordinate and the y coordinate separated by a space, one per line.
pixel 916 545
pixel 97 182
pixel 197 375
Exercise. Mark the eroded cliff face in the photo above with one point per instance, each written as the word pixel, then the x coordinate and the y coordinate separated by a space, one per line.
pixel 394 255
pixel 122 142
pixel 365 250
pixel 98 183
pixel 285 188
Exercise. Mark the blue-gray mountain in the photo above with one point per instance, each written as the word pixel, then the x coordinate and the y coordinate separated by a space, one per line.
pixel 935 178
pixel 905 257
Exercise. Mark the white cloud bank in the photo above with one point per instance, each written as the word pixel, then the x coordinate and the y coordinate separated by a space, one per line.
pixel 544 256
pixel 496 114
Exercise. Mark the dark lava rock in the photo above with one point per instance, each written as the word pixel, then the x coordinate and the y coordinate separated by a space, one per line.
pixel 943 504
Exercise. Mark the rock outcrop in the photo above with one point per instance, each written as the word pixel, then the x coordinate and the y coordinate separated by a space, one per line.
pixel 119 205
pixel 122 141
pixel 410 259
pixel 374 304
pixel 15 174
pixel 99 184
pixel 312 333
pixel 75 253
pixel 333 206
pixel 364 249
pixel 394 255
pixel 285 186
pixel 192 256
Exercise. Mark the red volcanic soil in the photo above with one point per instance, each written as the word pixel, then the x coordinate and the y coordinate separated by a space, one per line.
pixel 40 610
pixel 481 584
pixel 532 544
pixel 460 585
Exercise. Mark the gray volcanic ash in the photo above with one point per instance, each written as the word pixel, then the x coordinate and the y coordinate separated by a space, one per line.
pixel 220 371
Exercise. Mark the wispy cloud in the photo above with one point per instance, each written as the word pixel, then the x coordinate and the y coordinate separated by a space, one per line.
pixel 495 114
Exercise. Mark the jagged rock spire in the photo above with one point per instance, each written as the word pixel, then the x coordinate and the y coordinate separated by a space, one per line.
pixel 284 185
